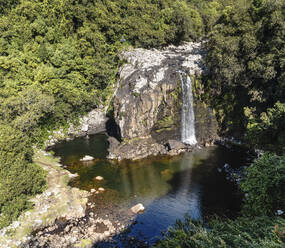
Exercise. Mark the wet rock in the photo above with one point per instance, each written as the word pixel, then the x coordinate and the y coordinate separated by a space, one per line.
pixel 137 149
pixel 138 208
pixel 175 145
pixel 87 158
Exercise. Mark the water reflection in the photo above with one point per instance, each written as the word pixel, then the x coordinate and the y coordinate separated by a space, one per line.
pixel 169 188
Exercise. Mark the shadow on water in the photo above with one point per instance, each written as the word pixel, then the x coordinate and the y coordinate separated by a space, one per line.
pixel 168 187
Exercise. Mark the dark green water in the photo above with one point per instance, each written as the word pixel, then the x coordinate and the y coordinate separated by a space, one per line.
pixel 168 187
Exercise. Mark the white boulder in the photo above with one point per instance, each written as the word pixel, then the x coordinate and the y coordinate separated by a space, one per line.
pixel 137 208
pixel 87 158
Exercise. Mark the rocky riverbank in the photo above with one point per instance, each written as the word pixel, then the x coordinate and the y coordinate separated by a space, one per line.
pixel 58 200
pixel 64 216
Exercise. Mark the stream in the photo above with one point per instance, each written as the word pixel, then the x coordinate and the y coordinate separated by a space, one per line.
pixel 169 187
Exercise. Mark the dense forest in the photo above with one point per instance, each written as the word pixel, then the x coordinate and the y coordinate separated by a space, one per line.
pixel 59 59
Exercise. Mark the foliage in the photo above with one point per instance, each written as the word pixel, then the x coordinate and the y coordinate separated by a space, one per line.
pixel 19 177
pixel 6 5
pixel 267 129
pixel 61 57
pixel 245 58
pixel 264 186
pixel 242 232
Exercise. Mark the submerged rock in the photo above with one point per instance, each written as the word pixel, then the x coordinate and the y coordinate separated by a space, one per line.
pixel 137 208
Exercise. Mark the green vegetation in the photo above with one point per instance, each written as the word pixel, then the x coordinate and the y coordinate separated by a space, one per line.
pixel 246 50
pixel 59 59
pixel 19 176
pixel 262 232
pixel 267 129
pixel 264 186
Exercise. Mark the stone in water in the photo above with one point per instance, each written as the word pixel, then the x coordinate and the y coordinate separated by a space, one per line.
pixel 137 208
pixel 87 158
pixel 99 178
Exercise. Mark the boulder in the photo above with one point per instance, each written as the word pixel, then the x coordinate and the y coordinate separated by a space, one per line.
pixel 87 158
pixel 99 178
pixel 84 128
pixel 137 208
pixel 175 145
pixel 94 122
pixel 137 149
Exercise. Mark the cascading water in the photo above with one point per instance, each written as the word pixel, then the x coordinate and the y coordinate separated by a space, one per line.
pixel 188 117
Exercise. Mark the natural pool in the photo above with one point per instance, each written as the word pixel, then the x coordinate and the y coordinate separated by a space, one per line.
pixel 169 188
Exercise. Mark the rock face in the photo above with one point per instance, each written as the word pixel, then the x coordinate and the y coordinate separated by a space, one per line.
pixel 150 87
pixel 94 122
pixel 147 104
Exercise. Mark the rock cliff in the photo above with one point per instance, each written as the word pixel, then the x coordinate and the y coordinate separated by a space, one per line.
pixel 147 104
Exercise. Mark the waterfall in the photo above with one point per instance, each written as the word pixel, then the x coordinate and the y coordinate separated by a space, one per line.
pixel 187 117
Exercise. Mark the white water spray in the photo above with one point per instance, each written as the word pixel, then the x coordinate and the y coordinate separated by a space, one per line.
pixel 188 117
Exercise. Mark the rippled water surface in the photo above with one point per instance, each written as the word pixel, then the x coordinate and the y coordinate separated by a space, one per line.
pixel 169 188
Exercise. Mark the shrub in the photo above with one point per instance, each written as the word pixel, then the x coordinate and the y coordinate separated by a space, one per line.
pixel 267 129
pixel 19 177
pixel 242 232
pixel 264 186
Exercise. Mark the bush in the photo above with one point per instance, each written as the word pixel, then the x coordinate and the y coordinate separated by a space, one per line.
pixel 264 186
pixel 267 129
pixel 262 232
pixel 19 177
